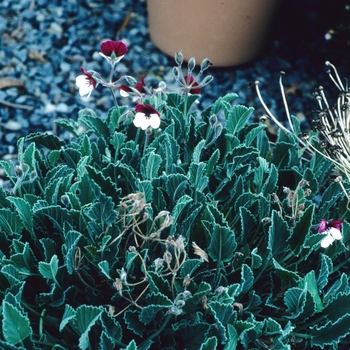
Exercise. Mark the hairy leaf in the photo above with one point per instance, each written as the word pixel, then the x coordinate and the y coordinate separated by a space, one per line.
pixel 15 325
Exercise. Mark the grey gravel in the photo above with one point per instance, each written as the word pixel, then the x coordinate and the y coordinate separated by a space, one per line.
pixel 44 44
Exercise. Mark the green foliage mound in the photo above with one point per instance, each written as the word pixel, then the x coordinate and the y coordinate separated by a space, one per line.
pixel 204 238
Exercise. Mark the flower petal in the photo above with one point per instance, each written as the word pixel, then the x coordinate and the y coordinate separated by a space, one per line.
pixel 323 226
pixel 140 121
pixel 327 241
pixel 154 121
pixel 335 233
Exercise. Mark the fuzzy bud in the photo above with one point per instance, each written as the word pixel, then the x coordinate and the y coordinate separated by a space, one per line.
pixel 206 80
pixel 19 172
pixel 191 65
pixel 180 243
pixel 158 263
pixel 187 281
pixel 33 175
pixel 179 58
pixel 118 285
pixel 167 257
pixel 206 63
pixel 130 80
pixel 65 200
pixel 213 119
pixel 218 130
pixel 176 73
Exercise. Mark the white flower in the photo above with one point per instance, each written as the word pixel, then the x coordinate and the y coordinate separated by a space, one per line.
pixel 146 116
pixel 86 83
pixel 332 229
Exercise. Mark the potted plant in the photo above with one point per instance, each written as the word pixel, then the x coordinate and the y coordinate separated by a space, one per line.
pixel 162 227
pixel 229 32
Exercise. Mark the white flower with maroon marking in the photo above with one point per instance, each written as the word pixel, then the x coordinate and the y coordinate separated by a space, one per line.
pixel 146 116
pixel 332 229
pixel 86 83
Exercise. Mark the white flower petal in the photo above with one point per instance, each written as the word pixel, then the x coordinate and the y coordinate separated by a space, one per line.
pixel 84 85
pixel 335 233
pixel 140 121
pixel 123 93
pixel 154 121
pixel 327 241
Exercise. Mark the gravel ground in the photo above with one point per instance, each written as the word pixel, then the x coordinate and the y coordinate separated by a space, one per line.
pixel 44 43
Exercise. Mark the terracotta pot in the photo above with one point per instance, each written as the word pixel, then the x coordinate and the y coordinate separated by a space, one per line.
pixel 228 32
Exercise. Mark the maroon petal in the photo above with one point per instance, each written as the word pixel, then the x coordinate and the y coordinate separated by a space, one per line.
pixel 125 88
pixel 323 226
pixel 118 47
pixel 146 109
pixel 89 77
pixel 336 224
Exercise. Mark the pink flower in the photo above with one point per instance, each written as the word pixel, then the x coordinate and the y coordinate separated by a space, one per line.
pixel 190 83
pixel 332 229
pixel 139 86
pixel 86 83
pixel 113 50
pixel 146 116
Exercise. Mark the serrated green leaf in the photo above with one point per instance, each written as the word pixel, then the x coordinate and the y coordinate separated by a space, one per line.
pixel 10 222
pixel 68 315
pixel 196 176
pixel 301 230
pixel 12 274
pixel 212 162
pixel 270 184
pixel 330 333
pixel 189 266
pixel 132 321
pixel 210 344
pixel 338 307
pixel 68 124
pixel 300 304
pixel 58 215
pixel 278 234
pixel 309 283
pixel 150 164
pixel 341 285
pixel 247 279
pixel 223 244
pixel 324 271
pixel 89 118
pixel 85 318
pixel 149 312
pixel 256 259
pixel 104 267
pixel 102 211
pixel 288 277
pixel 147 189
pixel 131 346
pixel 25 212
pixel 252 134
pixel 47 140
pixel 49 270
pixel 248 223
pixel 15 325
pixel 238 118
pixel 196 155
pixel 176 186
pixel 329 198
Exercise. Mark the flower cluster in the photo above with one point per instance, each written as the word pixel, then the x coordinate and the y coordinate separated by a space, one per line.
pixel 113 51
pixel 146 116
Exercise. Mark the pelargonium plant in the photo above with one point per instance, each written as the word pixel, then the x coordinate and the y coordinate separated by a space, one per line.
pixel 165 226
